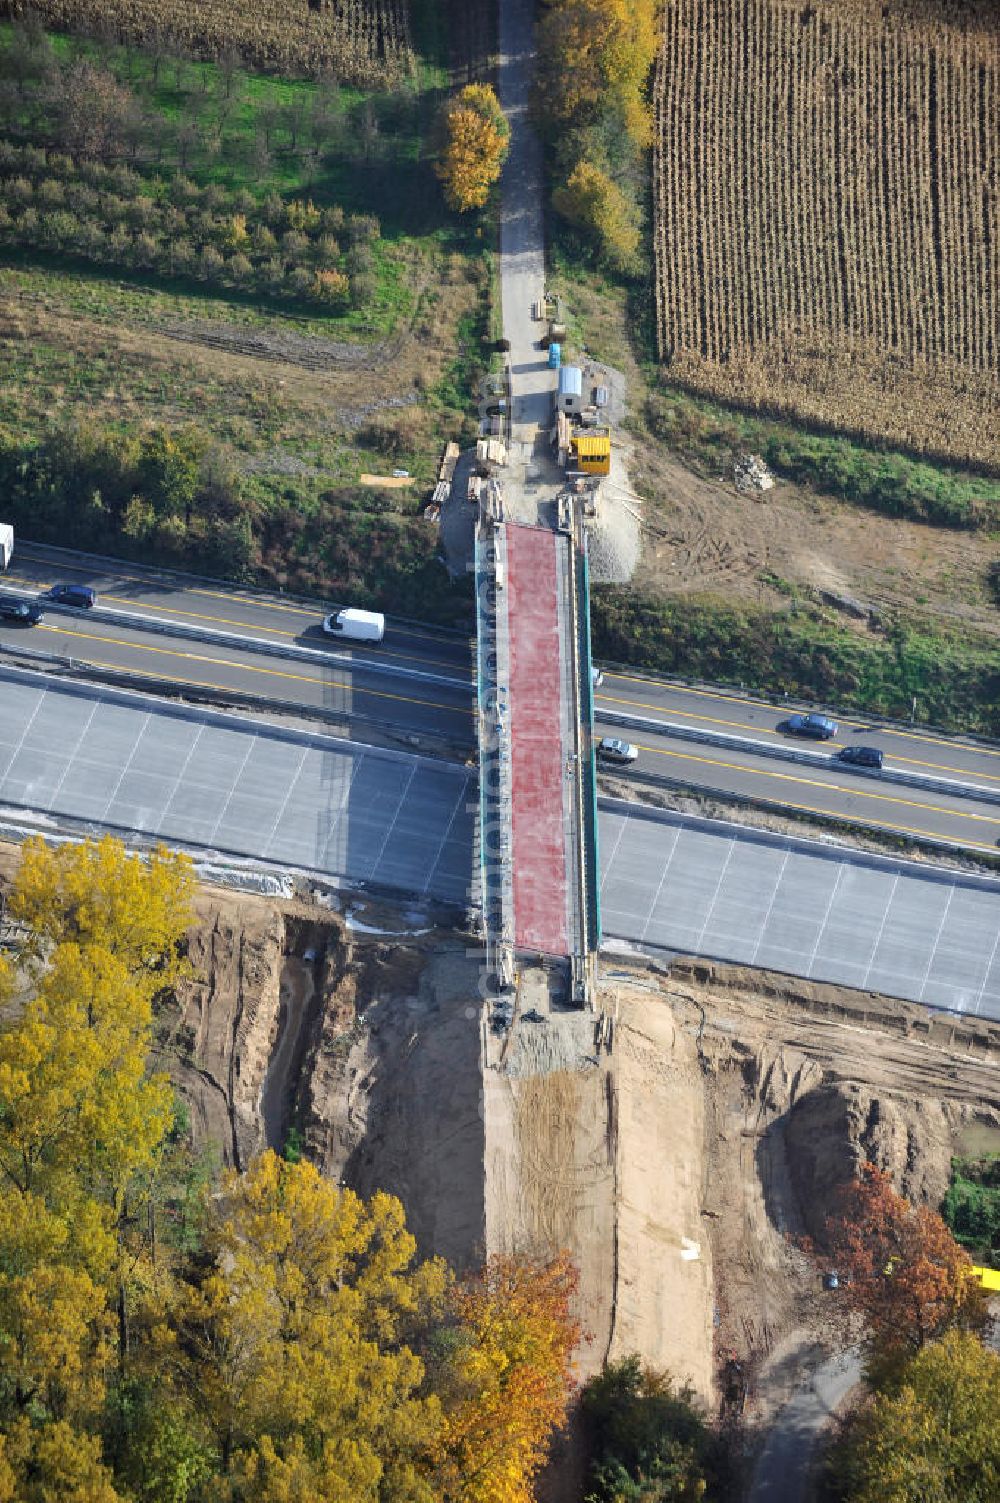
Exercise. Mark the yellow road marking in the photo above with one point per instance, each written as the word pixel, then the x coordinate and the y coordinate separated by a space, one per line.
pixel 267 605
pixel 759 704
pixel 786 777
pixel 303 678
pixel 764 730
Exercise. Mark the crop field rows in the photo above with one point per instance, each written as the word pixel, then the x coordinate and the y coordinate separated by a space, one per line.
pixel 364 42
pixel 827 216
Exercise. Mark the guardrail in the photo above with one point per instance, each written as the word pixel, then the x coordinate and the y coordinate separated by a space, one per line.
pixel 819 760
pixel 164 626
pixel 29 548
pixel 587 768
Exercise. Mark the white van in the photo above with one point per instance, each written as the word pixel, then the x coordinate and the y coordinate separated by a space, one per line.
pixel 359 626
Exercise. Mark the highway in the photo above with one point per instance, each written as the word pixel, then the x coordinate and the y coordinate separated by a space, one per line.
pixel 357 689
pixel 838 790
pixel 362 695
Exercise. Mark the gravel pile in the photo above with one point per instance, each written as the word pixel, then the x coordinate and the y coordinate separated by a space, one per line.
pixel 615 542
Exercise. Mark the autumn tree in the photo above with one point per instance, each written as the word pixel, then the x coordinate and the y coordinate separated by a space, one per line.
pixel 476 138
pixel 81 1123
pixel 592 202
pixel 932 1436
pixel 90 108
pixel 293 1342
pixel 902 1270
pixel 507 1384
pixel 98 895
pixel 594 61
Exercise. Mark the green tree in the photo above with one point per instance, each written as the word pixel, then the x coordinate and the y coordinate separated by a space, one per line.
pixel 647 1440
pixel 170 463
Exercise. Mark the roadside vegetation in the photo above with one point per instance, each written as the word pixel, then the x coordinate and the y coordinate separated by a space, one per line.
pixel 897 485
pixel 172 1335
pixel 972 1207
pixel 803 651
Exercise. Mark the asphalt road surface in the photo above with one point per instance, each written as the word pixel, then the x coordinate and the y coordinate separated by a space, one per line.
pixel 837 791
pixel 357 689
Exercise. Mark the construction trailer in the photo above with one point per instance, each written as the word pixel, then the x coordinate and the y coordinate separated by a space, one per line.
pixel 570 394
pixel 590 451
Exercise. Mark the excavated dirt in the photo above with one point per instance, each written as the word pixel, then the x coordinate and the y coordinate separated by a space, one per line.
pixel 679 1143
pixel 801 1083
pixel 299 1028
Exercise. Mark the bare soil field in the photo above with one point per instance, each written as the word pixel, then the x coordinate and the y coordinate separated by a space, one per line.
pixel 710 539
pixel 679 1165
pixel 826 199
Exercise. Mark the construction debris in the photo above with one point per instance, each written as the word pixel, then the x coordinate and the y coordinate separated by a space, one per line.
pixel 751 473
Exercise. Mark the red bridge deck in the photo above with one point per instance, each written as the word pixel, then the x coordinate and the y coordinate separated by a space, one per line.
pixel 537 753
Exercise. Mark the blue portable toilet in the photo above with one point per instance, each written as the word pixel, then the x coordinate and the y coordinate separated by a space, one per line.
pixel 555 357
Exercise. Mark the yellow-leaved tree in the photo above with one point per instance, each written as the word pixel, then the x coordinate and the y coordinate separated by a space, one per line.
pixel 81 1124
pixel 475 140
pixel 507 1384
pixel 594 203
pixel 595 58
pixel 293 1345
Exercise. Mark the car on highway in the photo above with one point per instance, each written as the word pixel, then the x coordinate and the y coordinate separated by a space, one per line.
pixel 861 756
pixel 22 612
pixel 610 749
pixel 819 727
pixel 73 594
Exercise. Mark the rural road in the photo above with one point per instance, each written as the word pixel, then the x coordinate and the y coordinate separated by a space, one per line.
pixel 782 1469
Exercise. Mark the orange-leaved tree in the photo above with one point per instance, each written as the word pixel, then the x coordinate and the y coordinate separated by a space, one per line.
pixel 902 1270
pixel 508 1383
pixel 475 140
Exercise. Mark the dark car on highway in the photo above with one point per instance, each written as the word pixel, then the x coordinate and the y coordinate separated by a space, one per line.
pixel 22 612
pixel 819 727
pixel 73 594
pixel 861 756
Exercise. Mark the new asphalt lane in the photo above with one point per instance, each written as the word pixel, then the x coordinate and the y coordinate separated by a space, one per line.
pixel 84 758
